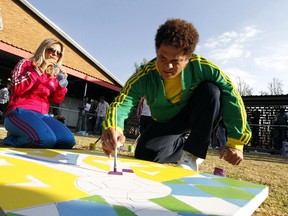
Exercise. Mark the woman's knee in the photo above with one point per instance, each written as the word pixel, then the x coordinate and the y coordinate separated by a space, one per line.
pixel 69 142
pixel 48 141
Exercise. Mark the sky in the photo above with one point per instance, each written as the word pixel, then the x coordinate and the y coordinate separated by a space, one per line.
pixel 247 39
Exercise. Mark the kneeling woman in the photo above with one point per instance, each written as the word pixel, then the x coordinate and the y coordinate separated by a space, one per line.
pixel 34 87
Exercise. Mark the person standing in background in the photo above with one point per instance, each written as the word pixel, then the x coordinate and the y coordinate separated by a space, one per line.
pixel 255 118
pixel 100 115
pixel 81 127
pixel 281 122
pixel 144 113
pixel 92 115
pixel 34 86
pixel 4 99
pixel 221 134
pixel 57 115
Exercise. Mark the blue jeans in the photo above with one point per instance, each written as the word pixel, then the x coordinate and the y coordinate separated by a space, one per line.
pixel 98 127
pixel 35 130
pixel 221 135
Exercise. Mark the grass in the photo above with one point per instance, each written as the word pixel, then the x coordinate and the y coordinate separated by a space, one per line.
pixel 269 170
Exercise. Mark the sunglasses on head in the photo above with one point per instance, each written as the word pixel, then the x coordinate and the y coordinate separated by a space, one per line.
pixel 52 50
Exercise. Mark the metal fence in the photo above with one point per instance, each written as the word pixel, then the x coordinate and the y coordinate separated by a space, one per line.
pixel 265 133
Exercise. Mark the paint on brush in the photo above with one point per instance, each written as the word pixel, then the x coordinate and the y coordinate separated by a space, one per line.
pixel 128 170
pixel 219 171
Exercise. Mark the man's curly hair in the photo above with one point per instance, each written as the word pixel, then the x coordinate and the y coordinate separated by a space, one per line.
pixel 178 33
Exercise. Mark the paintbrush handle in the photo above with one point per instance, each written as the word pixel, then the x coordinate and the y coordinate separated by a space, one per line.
pixel 115 160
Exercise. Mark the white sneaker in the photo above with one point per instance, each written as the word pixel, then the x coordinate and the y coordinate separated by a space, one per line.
pixel 189 161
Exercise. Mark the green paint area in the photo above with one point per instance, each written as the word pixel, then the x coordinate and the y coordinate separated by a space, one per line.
pixel 239 184
pixel 13 214
pixel 122 211
pixel 175 181
pixel 175 205
pixel 226 192
pixel 95 198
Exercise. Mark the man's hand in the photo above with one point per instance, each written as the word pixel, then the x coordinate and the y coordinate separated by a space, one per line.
pixel 110 140
pixel 231 155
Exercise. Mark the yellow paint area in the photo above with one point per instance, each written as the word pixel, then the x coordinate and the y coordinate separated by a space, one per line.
pixel 144 169
pixel 54 185
pixel 49 153
pixel 93 161
pixel 26 183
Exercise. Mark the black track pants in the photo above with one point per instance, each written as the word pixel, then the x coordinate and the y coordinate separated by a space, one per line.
pixel 164 142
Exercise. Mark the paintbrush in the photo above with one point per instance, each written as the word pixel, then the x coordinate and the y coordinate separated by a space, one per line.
pixel 115 172
pixel 115 160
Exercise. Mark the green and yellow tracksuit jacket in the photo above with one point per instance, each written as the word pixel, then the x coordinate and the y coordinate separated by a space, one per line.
pixel 148 82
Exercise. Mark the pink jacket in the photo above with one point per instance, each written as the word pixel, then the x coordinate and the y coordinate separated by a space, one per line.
pixel 31 90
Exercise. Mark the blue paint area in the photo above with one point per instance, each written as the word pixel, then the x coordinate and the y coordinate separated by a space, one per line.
pixel 202 181
pixel 72 158
pixel 208 175
pixel 187 190
pixel 82 207
pixel 238 202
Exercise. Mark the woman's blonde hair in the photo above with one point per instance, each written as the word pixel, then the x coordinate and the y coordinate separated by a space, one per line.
pixel 39 55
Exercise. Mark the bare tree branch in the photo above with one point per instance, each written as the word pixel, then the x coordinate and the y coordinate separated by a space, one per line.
pixel 243 88
pixel 275 87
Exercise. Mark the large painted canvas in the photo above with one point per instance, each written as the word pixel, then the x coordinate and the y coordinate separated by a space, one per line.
pixel 46 182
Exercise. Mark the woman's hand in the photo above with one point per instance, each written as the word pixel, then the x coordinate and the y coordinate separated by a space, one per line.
pixel 65 74
pixel 48 66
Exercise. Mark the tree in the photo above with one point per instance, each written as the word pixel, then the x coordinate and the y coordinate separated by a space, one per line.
pixel 243 88
pixel 264 93
pixel 142 63
pixel 275 87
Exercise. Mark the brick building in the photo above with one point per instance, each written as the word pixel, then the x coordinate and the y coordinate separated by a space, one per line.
pixel 23 28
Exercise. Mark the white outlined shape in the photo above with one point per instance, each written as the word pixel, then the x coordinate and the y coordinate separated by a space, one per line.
pixel 4 162
pixel 127 190
pixel 33 183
